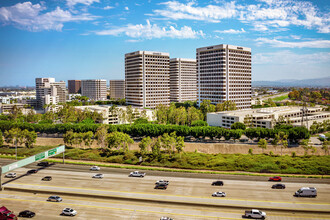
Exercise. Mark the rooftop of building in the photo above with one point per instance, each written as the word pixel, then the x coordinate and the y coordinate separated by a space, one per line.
pixel 147 53
pixel 103 107
pixel 183 59
pixel 223 46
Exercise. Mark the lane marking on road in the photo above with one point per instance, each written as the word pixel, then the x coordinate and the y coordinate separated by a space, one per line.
pixel 125 209
pixel 142 193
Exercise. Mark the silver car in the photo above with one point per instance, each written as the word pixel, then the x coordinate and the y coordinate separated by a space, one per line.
pixel 98 176
pixel 219 194
pixel 54 199
pixel 69 211
pixel 10 175
pixel 95 168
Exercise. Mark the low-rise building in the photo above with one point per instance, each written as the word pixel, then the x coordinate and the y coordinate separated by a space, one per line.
pixel 267 117
pixel 116 115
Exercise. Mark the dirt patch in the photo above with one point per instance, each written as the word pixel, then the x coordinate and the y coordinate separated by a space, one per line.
pixel 210 148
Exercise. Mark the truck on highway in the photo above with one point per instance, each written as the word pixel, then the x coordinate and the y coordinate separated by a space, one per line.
pixel 136 174
pixel 254 213
pixel 306 192
pixel 6 214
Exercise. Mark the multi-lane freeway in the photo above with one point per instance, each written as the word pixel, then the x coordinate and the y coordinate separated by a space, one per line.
pixel 188 196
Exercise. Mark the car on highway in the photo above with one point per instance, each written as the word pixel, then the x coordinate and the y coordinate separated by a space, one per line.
pixel 217 183
pixel 69 211
pixel 54 199
pixel 95 168
pixel 47 178
pixel 161 186
pixel 98 176
pixel 10 175
pixel 278 186
pixel 43 164
pixel 166 218
pixel 32 171
pixel 275 178
pixel 137 174
pixel 26 213
pixel 163 182
pixel 254 213
pixel 219 194
pixel 306 192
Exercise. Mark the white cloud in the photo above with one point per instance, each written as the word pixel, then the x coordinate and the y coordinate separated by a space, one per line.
pixel 150 31
pixel 231 31
pixel 126 8
pixel 72 3
pixel 211 13
pixel 266 15
pixel 108 7
pixel 296 44
pixel 27 16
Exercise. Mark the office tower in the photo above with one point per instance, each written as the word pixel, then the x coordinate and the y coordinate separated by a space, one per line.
pixel 147 79
pixel 183 80
pixel 224 73
pixel 117 89
pixel 74 86
pixel 95 89
pixel 49 92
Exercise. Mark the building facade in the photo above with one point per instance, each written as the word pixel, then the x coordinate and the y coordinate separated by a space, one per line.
pixel 267 117
pixel 74 86
pixel 147 79
pixel 94 89
pixel 49 92
pixel 183 80
pixel 117 89
pixel 224 74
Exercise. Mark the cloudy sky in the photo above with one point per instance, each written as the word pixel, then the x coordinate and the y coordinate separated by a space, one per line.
pixel 87 39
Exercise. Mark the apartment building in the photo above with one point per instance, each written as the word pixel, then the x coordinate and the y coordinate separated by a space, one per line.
pixel 267 117
pixel 49 92
pixel 224 74
pixel 94 89
pixel 147 79
pixel 74 86
pixel 183 80
pixel 117 89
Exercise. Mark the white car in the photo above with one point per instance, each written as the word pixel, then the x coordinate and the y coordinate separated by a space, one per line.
pixel 69 211
pixel 98 176
pixel 95 168
pixel 166 182
pixel 136 174
pixel 54 199
pixel 166 218
pixel 219 194
pixel 10 175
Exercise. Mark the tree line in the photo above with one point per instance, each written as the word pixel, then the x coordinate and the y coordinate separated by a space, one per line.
pixel 17 136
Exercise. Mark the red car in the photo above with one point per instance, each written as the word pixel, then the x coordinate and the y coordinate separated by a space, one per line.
pixel 275 178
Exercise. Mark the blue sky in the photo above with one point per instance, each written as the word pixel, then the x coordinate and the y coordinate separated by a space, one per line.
pixel 87 39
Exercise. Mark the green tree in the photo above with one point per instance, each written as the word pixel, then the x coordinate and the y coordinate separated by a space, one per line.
pixel 29 138
pixel 238 125
pixel 14 137
pixel 161 113
pixel 193 114
pixel 262 144
pixel 179 144
pixel 325 147
pixel 206 107
pixel 305 145
pixel 1 139
pixel 87 138
pixel 119 139
pixel 155 148
pixel 130 114
pixel 101 135
pixel 144 144
pixel 168 142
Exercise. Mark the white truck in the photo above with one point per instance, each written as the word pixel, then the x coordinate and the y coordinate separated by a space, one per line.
pixel 306 192
pixel 136 174
pixel 255 213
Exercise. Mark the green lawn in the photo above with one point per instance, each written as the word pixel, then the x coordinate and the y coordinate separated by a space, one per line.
pixel 280 98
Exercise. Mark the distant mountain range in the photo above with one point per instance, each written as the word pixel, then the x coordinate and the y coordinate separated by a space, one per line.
pixel 320 82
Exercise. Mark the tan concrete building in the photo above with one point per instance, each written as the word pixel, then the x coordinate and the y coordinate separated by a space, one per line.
pixel 183 80
pixel 224 73
pixel 74 86
pixel 147 79
pixel 49 92
pixel 267 117
pixel 117 89
pixel 94 89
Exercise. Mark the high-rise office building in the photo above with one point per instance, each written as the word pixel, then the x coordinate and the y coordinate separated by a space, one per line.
pixel 95 89
pixel 224 73
pixel 147 79
pixel 74 86
pixel 117 89
pixel 49 92
pixel 183 80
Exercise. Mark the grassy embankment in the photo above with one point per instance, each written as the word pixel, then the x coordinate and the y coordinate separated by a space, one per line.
pixel 280 98
pixel 303 165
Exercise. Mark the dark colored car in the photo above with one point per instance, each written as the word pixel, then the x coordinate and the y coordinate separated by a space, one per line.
pixel 278 186
pixel 43 164
pixel 47 178
pixel 161 186
pixel 275 178
pixel 32 171
pixel 27 214
pixel 217 183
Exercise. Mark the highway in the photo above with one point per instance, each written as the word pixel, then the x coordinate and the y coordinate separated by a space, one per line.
pixel 118 196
